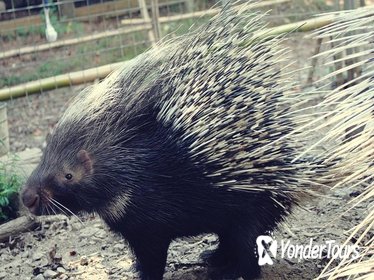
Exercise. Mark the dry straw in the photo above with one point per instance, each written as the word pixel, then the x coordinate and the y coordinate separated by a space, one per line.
pixel 352 37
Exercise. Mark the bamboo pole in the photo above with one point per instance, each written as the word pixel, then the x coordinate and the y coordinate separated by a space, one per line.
pixel 64 80
pixel 189 5
pixel 300 26
pixel 155 20
pixel 73 41
pixel 317 50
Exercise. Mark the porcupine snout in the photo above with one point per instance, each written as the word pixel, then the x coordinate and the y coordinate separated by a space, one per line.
pixel 31 199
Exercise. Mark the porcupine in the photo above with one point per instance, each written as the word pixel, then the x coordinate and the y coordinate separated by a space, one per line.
pixel 190 137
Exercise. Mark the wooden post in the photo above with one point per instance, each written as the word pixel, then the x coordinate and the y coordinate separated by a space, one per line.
pixel 67 10
pixel 155 20
pixel 189 6
pixel 354 72
pixel 337 56
pixel 145 15
pixel 314 62
pixel 4 133
pixel 349 4
pixel 2 6
pixel 337 5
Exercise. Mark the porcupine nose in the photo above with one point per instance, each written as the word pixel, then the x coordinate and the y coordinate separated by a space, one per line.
pixel 31 199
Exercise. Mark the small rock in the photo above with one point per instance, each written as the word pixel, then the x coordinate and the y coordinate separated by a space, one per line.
pixel 50 274
pixel 98 225
pixel 126 265
pixel 3 275
pixel 36 271
pixel 61 270
pixel 43 262
pixel 76 226
pixel 37 256
pixel 13 264
pixel 84 260
pixel 39 277
pixel 87 232
pixel 73 253
pixel 101 234
pixel 119 246
pixel 15 252
pixel 96 239
pixel 25 254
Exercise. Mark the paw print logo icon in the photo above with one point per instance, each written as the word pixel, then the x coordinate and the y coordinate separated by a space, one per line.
pixel 266 246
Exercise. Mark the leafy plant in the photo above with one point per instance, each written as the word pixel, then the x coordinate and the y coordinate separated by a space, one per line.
pixel 10 183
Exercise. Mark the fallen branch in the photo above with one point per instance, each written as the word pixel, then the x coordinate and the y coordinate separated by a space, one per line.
pixel 26 223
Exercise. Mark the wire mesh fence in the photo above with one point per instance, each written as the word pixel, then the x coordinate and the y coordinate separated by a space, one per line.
pixel 54 48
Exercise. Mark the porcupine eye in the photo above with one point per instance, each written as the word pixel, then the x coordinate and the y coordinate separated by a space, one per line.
pixel 68 176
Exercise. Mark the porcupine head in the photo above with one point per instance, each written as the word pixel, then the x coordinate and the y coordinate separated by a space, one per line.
pixel 95 151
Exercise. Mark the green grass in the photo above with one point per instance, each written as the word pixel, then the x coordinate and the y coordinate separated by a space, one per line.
pixel 84 56
pixel 10 184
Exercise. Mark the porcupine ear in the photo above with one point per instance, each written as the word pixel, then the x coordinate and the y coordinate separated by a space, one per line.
pixel 85 159
pixel 48 137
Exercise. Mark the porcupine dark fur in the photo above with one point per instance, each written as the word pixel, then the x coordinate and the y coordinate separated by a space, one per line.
pixel 191 137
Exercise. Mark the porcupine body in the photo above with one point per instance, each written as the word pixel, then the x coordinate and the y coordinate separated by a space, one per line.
pixel 188 138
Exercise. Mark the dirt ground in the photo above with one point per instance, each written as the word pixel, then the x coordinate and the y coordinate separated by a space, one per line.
pixel 86 249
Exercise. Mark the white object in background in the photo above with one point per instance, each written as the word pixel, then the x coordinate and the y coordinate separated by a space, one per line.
pixel 50 32
pixel 2 6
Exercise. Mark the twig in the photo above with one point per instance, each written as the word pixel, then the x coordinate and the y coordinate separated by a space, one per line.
pixel 26 223
pixel 314 62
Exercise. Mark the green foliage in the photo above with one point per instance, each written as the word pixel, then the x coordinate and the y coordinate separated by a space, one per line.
pixel 10 183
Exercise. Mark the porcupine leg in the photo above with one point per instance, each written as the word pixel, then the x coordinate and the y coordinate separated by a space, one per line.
pixel 235 256
pixel 151 257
